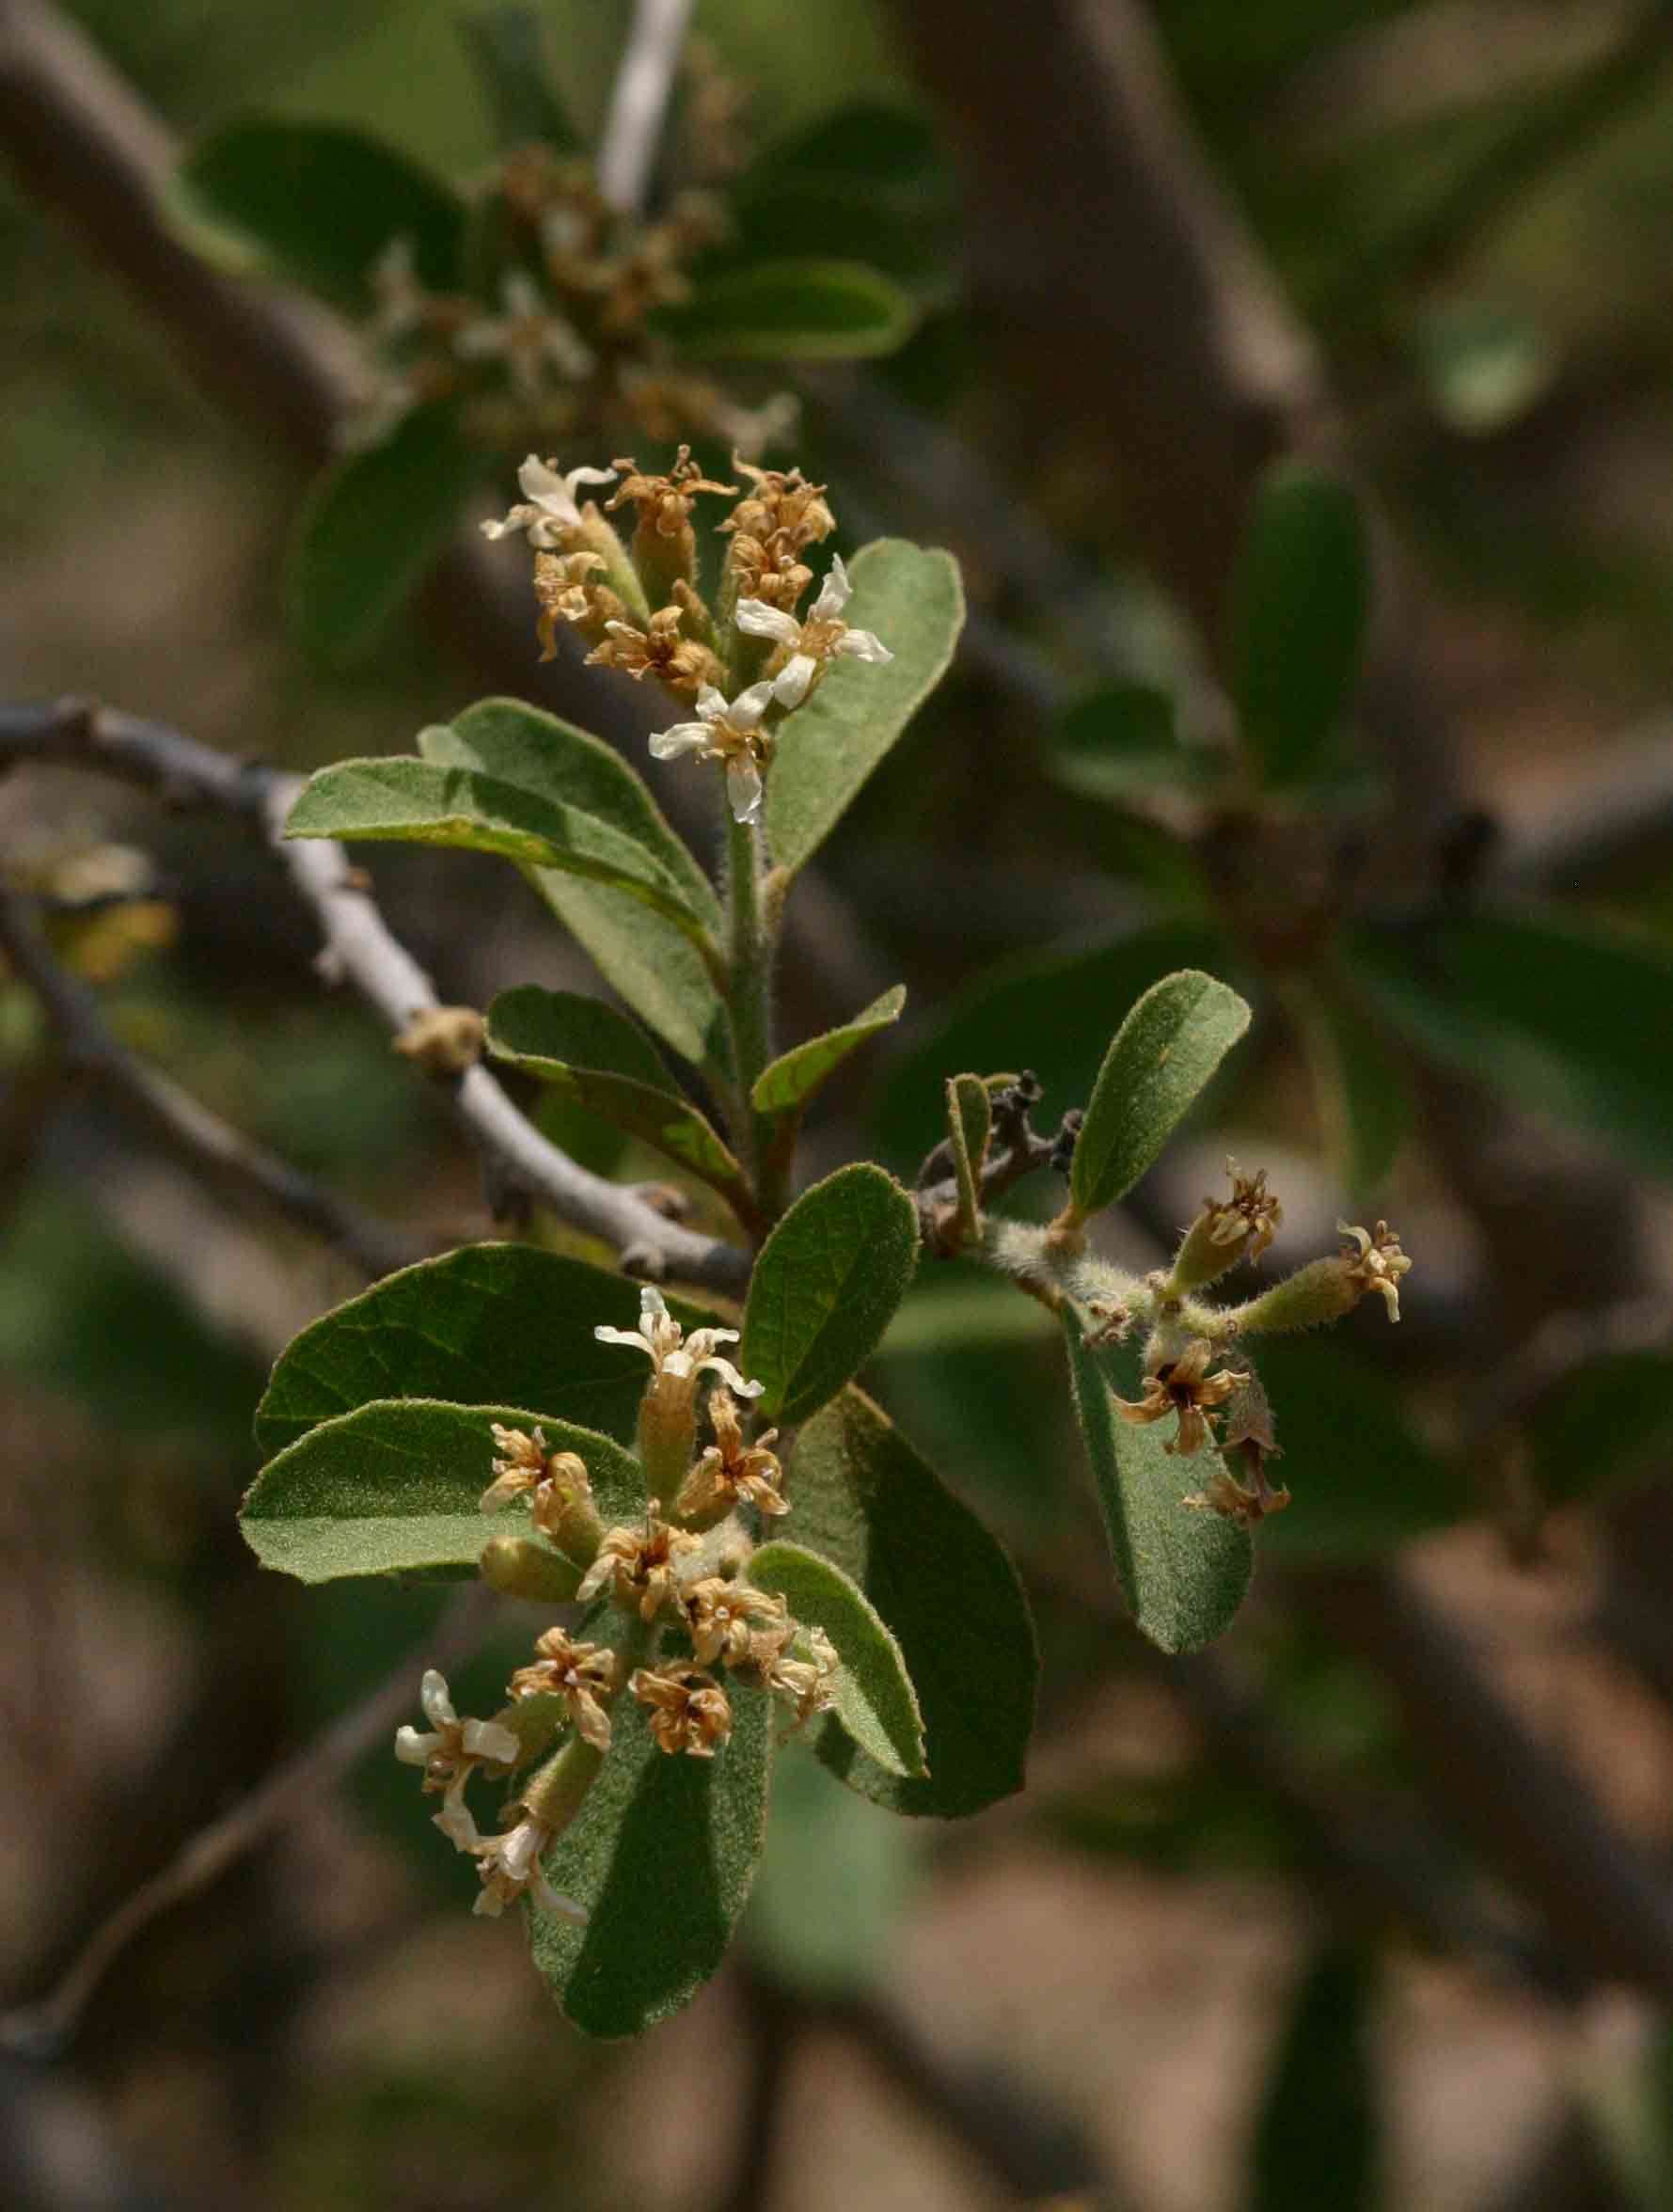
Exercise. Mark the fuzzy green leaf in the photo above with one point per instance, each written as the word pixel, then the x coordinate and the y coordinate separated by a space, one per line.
pixel 1365 1099
pixel 914 601
pixel 791 312
pixel 417 802
pixel 825 1287
pixel 649 960
pixel 588 1052
pixel 875 1702
pixel 785 1086
pixel 372 527
pixel 1162 1054
pixel 395 1487
pixel 502 1323
pixel 507 49
pixel 970 1124
pixel 1301 597
pixel 1563 1016
pixel 1183 1572
pixel 950 1595
pixel 316 203
pixel 661 1853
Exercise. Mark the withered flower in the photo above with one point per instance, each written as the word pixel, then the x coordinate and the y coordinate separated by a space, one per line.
pixel 637 1564
pixel 688 1709
pixel 449 1751
pixel 724 1617
pixel 664 502
pixel 1251 1212
pixel 664 651
pixel 566 593
pixel 1376 1262
pixel 580 1674
pixel 1183 1387
pixel 731 1470
pixel 510 1867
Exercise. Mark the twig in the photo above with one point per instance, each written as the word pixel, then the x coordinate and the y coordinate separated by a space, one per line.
pixel 40 2030
pixel 359 947
pixel 627 154
pixel 209 1146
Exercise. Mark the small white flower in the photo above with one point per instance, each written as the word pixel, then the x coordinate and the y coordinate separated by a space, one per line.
pixel 548 511
pixel 725 733
pixel 510 1866
pixel 823 636
pixel 529 336
pixel 449 1751
pixel 671 1352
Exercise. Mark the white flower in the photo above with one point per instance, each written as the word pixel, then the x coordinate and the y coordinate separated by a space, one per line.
pixel 671 1351
pixel 548 511
pixel 449 1751
pixel 531 337
pixel 730 734
pixel 510 1865
pixel 823 636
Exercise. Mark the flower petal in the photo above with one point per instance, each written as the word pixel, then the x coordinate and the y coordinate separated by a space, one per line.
pixel 743 789
pixel 683 738
pixel 433 1696
pixel 756 618
pixel 730 1376
pixel 790 685
pixel 458 1824
pixel 834 593
pixel 711 704
pixel 487 1739
pixel 413 1747
pixel 631 1337
pixel 749 706
pixel 862 645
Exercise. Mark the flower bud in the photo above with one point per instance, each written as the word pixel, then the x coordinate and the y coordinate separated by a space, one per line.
pixel 522 1569
pixel 555 1795
pixel 1322 1292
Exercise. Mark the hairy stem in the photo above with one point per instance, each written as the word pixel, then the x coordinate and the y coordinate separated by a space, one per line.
pixel 751 947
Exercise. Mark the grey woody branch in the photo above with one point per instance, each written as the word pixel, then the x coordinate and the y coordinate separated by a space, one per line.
pixel 638 101
pixel 359 949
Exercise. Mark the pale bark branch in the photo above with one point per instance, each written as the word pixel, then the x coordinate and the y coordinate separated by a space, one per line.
pixel 638 101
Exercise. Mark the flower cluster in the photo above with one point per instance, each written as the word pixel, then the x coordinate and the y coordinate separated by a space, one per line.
pixel 748 662
pixel 674 1620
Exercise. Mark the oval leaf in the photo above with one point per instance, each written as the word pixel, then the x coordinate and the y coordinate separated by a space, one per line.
pixel 395 1487
pixel 502 1322
pixel 914 600
pixel 784 1086
pixel 825 1287
pixel 596 1056
pixel 864 1499
pixel 791 312
pixel 372 527
pixel 417 802
pixel 648 961
pixel 1182 1571
pixel 969 1123
pixel 1300 598
pixel 661 1853
pixel 875 1702
pixel 317 204
pixel 1163 1055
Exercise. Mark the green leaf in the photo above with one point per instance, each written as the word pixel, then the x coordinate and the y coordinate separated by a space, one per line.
pixel 791 312
pixel 1565 1017
pixel 970 1122
pixel 1029 1012
pixel 507 49
pixel 1121 744
pixel 866 1501
pixel 1301 599
pixel 1361 1480
pixel 588 1052
pixel 1607 1423
pixel 785 1086
pixel 650 961
pixel 396 1487
pixel 372 527
pixel 1182 1571
pixel 1317 2140
pixel 316 203
pixel 1364 1100
pixel 1163 1055
pixel 823 1841
pixel 874 1699
pixel 418 802
pixel 495 1323
pixel 661 1853
pixel 914 601
pixel 825 1287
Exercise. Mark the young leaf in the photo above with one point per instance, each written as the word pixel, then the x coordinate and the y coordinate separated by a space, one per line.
pixel 650 961
pixel 970 1121
pixel 396 1487
pixel 874 1699
pixel 372 527
pixel 785 1086
pixel 316 203
pixel 1182 1571
pixel 661 1853
pixel 825 1287
pixel 502 1322
pixel 914 601
pixel 866 1501
pixel 507 49
pixel 417 802
pixel 596 1056
pixel 1302 597
pixel 1162 1054
pixel 791 312
pixel 1567 1018
pixel 1364 1100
